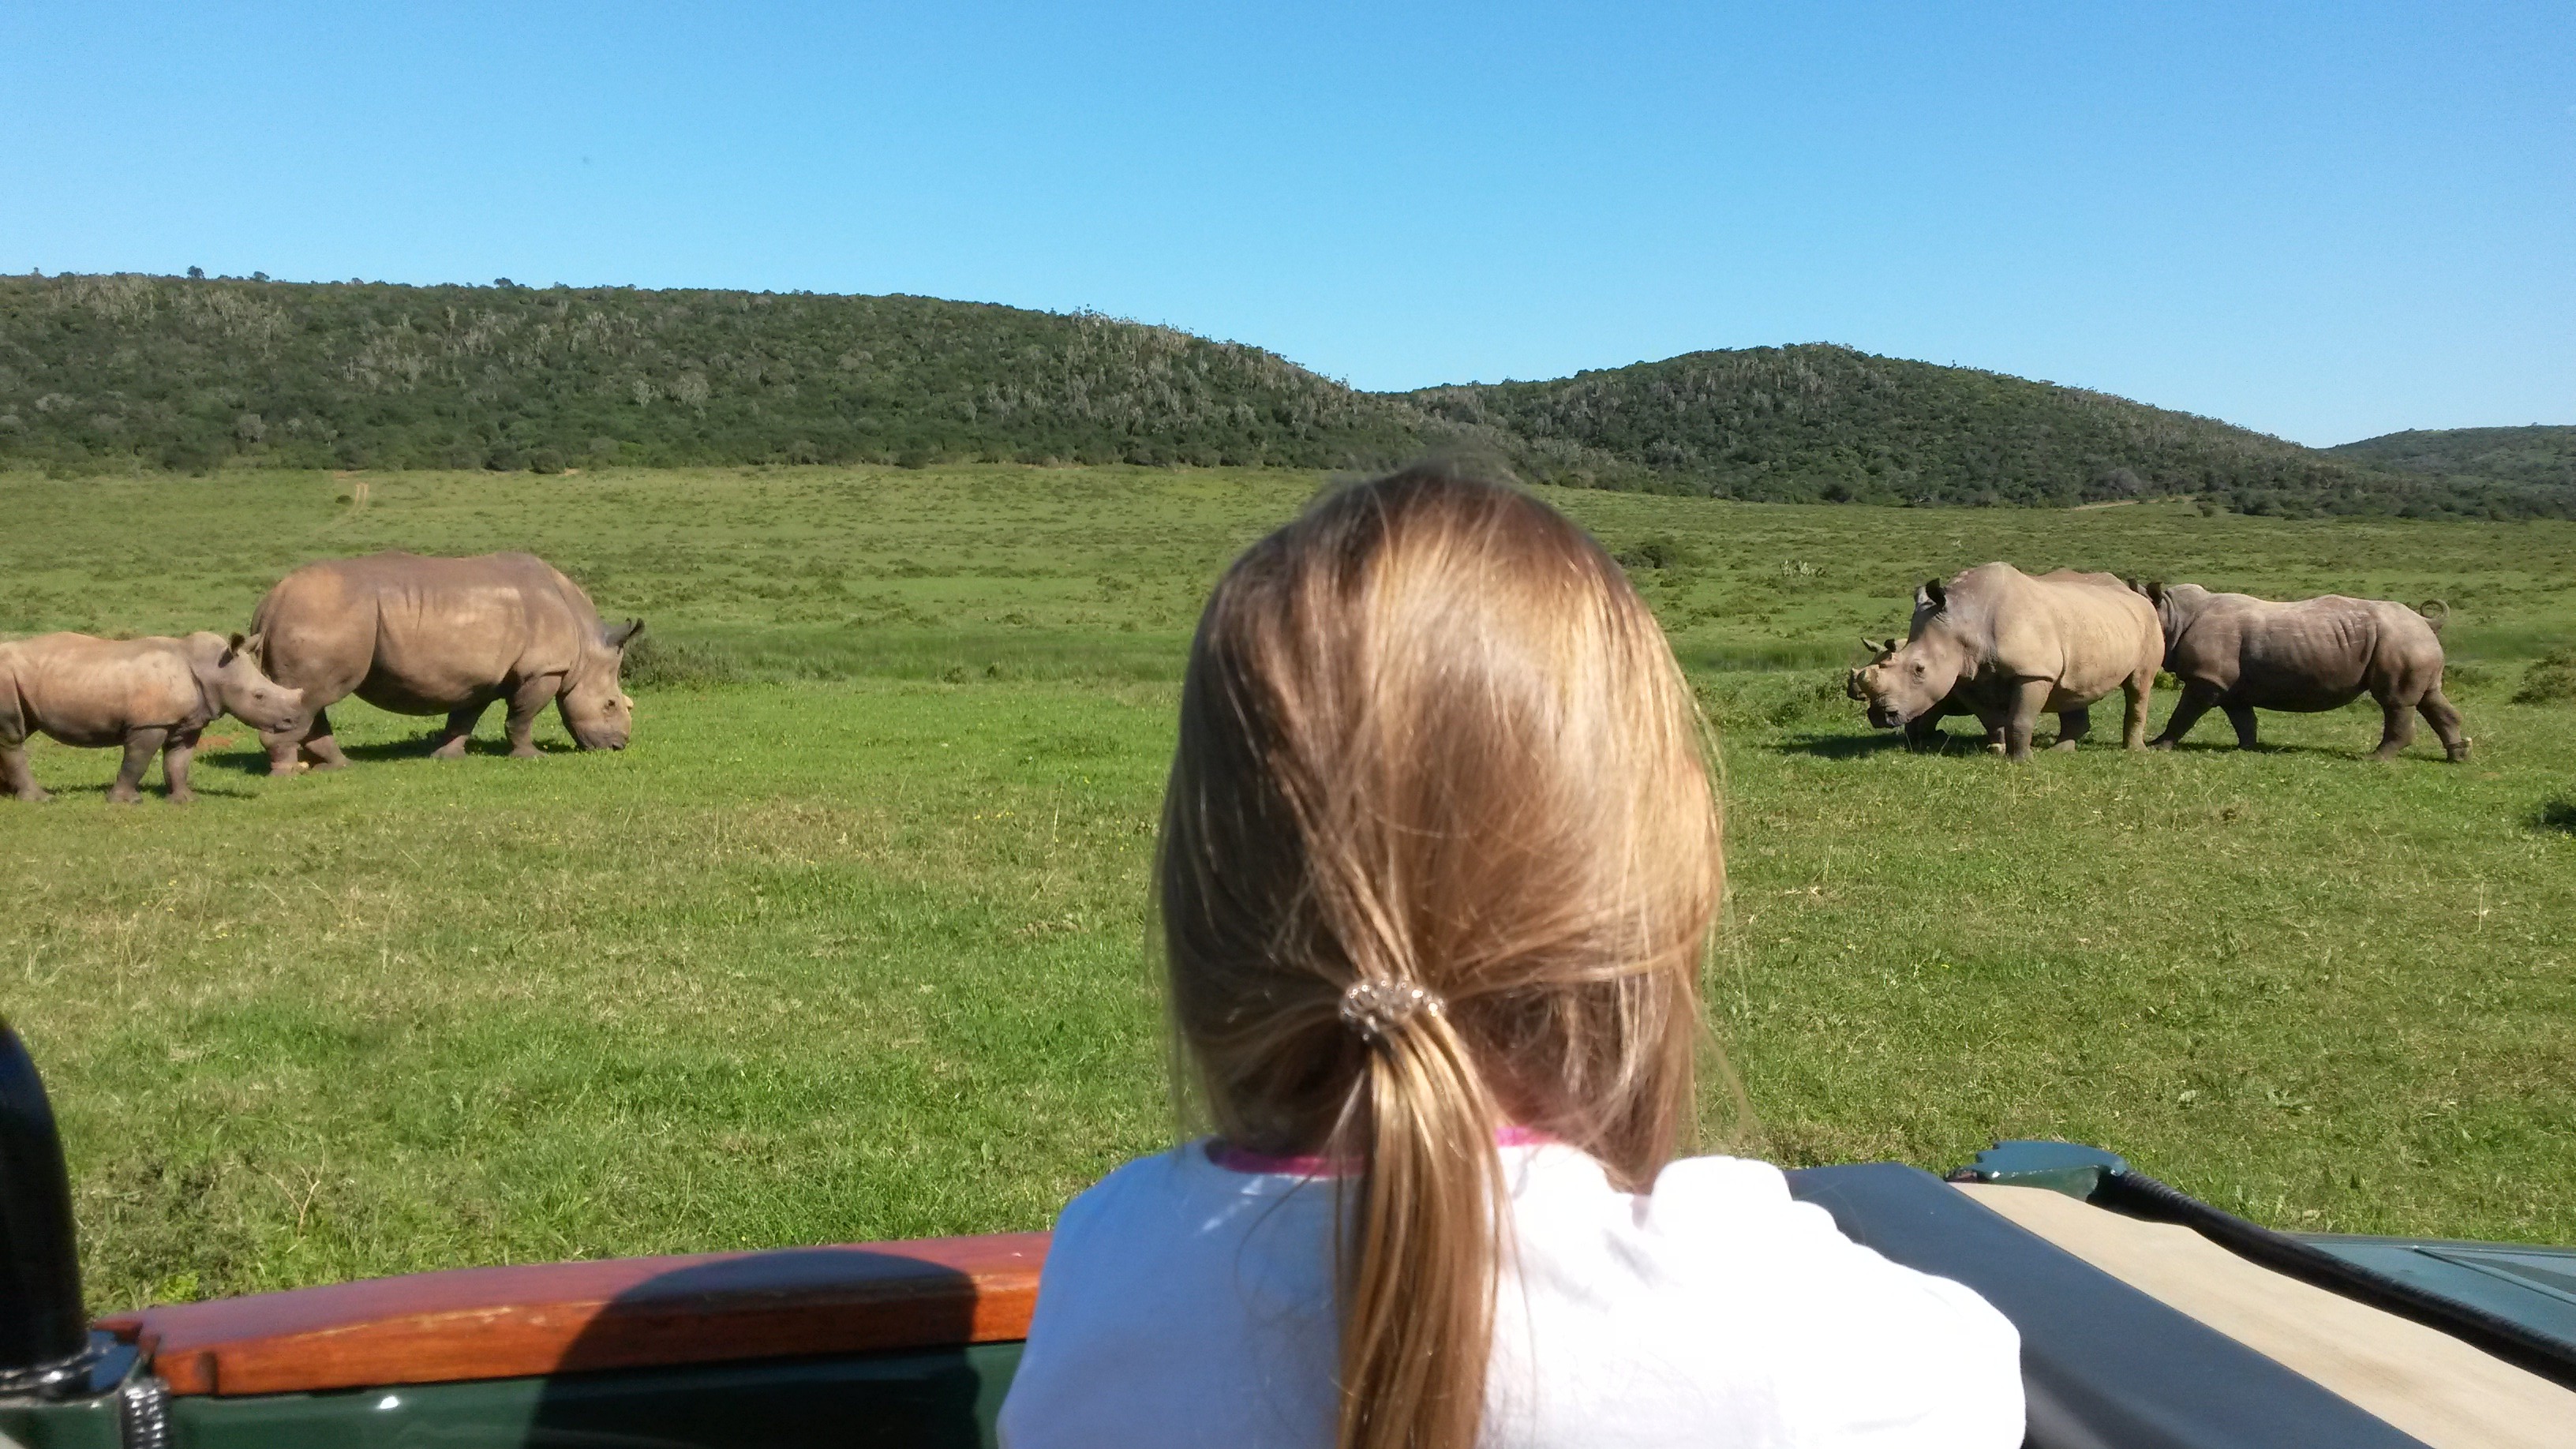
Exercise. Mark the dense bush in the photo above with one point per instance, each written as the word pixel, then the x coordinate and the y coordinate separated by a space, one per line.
pixel 1828 424
pixel 189 374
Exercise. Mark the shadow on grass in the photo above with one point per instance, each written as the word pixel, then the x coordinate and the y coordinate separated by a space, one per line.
pixel 1853 747
pixel 255 761
pixel 2557 815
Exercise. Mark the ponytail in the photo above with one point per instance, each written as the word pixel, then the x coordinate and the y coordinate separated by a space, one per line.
pixel 1418 1246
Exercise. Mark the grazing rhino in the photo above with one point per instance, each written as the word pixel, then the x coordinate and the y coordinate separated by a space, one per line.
pixel 2242 654
pixel 147 695
pixel 2007 646
pixel 1923 731
pixel 443 636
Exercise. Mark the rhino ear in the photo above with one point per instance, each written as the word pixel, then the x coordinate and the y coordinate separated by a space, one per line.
pixel 1931 596
pixel 2156 590
pixel 619 637
pixel 1888 646
pixel 232 650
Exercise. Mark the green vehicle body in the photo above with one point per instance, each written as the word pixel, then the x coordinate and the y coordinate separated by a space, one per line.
pixel 931 1395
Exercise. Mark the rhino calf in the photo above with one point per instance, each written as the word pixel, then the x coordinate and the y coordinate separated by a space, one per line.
pixel 2240 654
pixel 148 695
pixel 443 636
pixel 2008 647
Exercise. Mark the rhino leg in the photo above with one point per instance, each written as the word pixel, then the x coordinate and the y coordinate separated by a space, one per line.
pixel 175 756
pixel 283 746
pixel 324 749
pixel 2445 720
pixel 2242 716
pixel 2028 700
pixel 15 777
pixel 1923 732
pixel 526 703
pixel 2072 725
pixel 140 747
pixel 460 728
pixel 2195 702
pixel 286 747
pixel 2133 721
pixel 2397 730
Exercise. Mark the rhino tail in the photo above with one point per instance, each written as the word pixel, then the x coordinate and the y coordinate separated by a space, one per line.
pixel 2435 612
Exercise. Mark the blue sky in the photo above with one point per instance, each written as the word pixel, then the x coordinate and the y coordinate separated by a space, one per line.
pixel 2323 221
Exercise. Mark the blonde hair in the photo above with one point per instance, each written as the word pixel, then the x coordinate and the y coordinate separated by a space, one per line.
pixel 1435 753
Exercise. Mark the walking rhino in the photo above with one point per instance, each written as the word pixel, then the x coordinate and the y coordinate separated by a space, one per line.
pixel 2004 646
pixel 447 636
pixel 148 695
pixel 2241 654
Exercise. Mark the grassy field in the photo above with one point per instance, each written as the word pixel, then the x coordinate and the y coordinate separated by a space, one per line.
pixel 851 942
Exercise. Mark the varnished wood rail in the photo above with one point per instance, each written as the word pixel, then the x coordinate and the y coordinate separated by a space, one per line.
pixel 518 1322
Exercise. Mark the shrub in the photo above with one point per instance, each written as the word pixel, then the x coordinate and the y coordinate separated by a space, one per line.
pixel 2550 680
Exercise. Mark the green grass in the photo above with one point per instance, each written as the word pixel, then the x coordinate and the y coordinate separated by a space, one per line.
pixel 851 942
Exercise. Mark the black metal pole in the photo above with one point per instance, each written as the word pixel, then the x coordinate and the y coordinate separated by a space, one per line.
pixel 42 1323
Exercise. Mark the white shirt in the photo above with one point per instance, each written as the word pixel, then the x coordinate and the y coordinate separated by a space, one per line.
pixel 1184 1303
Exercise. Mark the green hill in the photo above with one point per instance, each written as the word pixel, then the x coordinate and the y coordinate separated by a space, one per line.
pixel 111 373
pixel 184 374
pixel 2537 455
pixel 1823 423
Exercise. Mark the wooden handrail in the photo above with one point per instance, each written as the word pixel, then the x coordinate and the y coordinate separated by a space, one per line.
pixel 519 1322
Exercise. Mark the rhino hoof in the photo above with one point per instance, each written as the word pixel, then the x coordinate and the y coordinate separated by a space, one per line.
pixel 2460 753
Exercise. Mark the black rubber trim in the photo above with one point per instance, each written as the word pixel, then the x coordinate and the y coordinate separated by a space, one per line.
pixel 2104 1366
pixel 2139 1196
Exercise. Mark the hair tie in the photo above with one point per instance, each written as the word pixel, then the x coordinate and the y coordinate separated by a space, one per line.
pixel 1375 1008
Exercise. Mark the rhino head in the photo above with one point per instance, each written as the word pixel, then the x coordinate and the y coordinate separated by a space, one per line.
pixel 1879 650
pixel 2176 606
pixel 229 670
pixel 596 709
pixel 1908 679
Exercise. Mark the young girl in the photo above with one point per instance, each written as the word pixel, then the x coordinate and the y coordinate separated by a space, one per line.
pixel 1439 858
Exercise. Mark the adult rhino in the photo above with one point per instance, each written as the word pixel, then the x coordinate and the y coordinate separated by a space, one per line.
pixel 2008 646
pixel 148 695
pixel 2241 654
pixel 443 636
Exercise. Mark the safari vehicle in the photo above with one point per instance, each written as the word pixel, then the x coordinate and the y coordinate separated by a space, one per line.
pixel 2147 1319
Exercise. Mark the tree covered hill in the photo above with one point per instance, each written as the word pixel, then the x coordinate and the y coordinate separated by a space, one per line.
pixel 2540 455
pixel 117 372
pixel 186 373
pixel 1828 423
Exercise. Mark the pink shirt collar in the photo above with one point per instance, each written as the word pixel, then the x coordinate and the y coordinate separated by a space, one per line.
pixel 1237 1159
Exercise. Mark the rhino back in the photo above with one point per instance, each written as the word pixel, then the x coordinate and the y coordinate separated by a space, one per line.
pixel 422 635
pixel 2314 654
pixel 2086 632
pixel 86 691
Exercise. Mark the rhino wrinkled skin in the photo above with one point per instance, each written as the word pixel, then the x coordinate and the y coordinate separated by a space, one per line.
pixel 431 636
pixel 2241 654
pixel 2006 647
pixel 146 695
